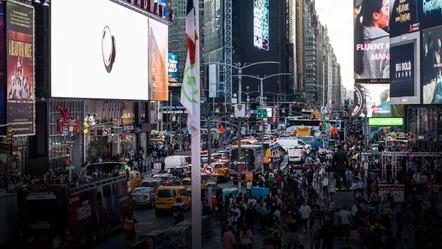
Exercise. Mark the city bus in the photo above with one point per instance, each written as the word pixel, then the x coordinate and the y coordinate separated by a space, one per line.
pixel 251 157
pixel 72 216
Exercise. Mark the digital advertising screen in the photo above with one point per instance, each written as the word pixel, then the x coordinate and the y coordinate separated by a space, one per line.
pixel 404 17
pixel 156 7
pixel 173 67
pixel 431 68
pixel 373 100
pixel 2 69
pixel 430 13
pixel 158 57
pixel 261 29
pixel 402 70
pixel 371 39
pixel 257 39
pixel 20 103
pixel 96 55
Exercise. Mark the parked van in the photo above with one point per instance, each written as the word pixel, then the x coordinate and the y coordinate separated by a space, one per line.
pixel 295 155
pixel 288 143
pixel 173 161
pixel 166 196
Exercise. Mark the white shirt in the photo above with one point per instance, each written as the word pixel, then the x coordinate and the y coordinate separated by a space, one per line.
pixel 325 182
pixel 305 211
pixel 354 210
pixel 249 185
pixel 237 211
pixel 345 217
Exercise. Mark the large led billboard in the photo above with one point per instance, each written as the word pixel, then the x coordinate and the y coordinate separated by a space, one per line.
pixel 20 68
pixel 430 13
pixel 158 56
pixel 247 52
pixel 404 17
pixel 432 65
pixel 96 55
pixel 373 100
pixel 173 67
pixel 2 68
pixel 371 39
pixel 156 7
pixel 261 29
pixel 402 70
pixel 405 84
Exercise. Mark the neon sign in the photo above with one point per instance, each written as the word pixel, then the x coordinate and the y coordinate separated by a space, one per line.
pixel 261 24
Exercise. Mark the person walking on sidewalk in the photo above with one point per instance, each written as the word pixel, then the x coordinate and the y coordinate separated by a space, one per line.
pixel 229 238
pixel 305 211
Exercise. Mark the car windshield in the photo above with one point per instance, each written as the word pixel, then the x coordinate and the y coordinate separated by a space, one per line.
pixel 177 171
pixel 150 184
pixel 141 191
pixel 166 193
pixel 217 166
pixel 187 183
pixel 301 142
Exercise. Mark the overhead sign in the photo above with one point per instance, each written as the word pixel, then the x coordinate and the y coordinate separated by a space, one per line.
pixel 262 113
pixel 209 169
pixel 385 121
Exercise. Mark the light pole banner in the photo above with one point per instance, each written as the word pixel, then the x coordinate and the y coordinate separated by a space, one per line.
pixel 212 80
pixel 240 110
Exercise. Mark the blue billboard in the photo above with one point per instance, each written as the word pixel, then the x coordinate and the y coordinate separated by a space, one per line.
pixel 430 12
pixel 173 67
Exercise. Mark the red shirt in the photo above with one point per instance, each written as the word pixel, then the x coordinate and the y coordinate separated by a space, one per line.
pixel 229 240
pixel 279 180
pixel 214 203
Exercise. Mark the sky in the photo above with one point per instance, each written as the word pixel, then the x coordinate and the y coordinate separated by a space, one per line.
pixel 337 15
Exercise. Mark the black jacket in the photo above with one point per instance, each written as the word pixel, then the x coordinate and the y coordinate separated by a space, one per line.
pixel 340 160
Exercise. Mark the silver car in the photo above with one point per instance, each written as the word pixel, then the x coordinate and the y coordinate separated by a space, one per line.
pixel 144 196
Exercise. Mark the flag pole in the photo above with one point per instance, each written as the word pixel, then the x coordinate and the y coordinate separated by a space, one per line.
pixel 196 148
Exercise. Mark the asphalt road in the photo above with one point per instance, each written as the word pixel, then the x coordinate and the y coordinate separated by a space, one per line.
pixel 149 222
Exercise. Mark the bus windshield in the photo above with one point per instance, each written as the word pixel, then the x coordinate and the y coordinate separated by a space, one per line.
pixel 107 169
pixel 42 216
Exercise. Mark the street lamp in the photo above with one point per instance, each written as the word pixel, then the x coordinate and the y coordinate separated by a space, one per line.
pixel 240 67
pixel 261 102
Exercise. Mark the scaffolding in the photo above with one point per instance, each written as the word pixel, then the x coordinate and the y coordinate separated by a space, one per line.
pixel 393 156
pixel 228 50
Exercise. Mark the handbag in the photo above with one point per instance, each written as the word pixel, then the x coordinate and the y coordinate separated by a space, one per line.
pixel 128 224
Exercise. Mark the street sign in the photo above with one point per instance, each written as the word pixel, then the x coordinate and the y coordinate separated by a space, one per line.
pixel 106 132
pixel 209 169
pixel 262 113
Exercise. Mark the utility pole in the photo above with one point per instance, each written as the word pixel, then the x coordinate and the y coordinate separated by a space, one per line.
pixel 239 124
pixel 170 110
pixel 209 140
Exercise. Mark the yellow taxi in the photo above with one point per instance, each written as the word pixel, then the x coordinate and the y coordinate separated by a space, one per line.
pixel 222 171
pixel 166 196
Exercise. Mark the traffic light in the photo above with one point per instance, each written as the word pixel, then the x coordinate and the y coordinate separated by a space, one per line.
pixel 68 151
pixel 10 135
pixel 112 131
pixel 385 129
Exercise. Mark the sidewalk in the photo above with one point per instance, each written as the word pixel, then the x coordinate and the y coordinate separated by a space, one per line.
pixel 215 242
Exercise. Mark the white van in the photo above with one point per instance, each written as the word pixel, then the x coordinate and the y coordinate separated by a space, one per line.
pixel 288 143
pixel 295 155
pixel 174 161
